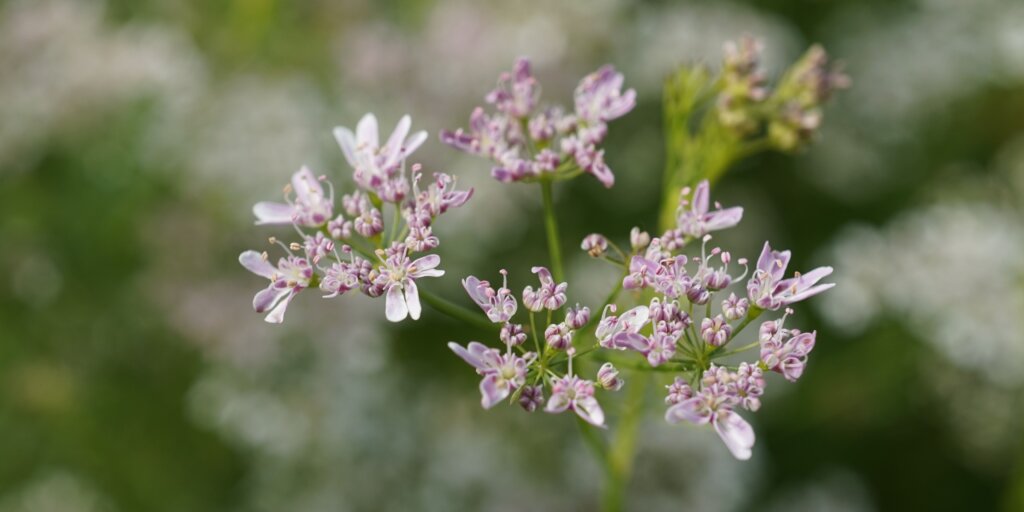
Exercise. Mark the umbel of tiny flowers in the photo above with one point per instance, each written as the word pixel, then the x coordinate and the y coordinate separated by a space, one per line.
pixel 352 247
pixel 525 376
pixel 680 328
pixel 527 142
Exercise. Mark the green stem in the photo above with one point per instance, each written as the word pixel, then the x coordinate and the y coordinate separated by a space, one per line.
pixel 744 348
pixel 393 232
pixel 456 311
pixel 619 463
pixel 551 226
pixel 752 315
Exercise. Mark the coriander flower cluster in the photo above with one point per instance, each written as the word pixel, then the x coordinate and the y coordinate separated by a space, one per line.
pixel 526 376
pixel 349 246
pixel 528 142
pixel 686 322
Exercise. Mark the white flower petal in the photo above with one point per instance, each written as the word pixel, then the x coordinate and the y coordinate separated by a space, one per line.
pixel 737 434
pixel 394 143
pixel 347 141
pixel 414 142
pixel 394 304
pixel 412 299
pixel 366 133
pixel 276 315
pixel 267 212
pixel 591 412
pixel 254 262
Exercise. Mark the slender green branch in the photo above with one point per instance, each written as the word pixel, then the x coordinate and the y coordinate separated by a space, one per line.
pixel 393 231
pixel 744 348
pixel 534 334
pixel 551 226
pixel 456 311
pixel 752 315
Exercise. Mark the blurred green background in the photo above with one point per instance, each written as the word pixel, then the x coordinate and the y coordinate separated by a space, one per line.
pixel 135 135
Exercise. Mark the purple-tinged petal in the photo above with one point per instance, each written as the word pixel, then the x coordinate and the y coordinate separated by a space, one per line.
pixel 276 315
pixel 267 212
pixel 810 292
pixel 472 353
pixel 803 343
pixel 412 298
pixel 267 297
pixel 394 304
pixel 815 275
pixel 306 185
pixel 544 274
pixel 397 138
pixel 634 319
pixel 632 340
pixel 255 263
pixel 425 267
pixel 737 434
pixel 691 410
pixel 701 198
pixel 792 368
pixel 476 291
pixel 491 360
pixel 557 403
pixel 414 142
pixel 493 389
pixel 347 141
pixel 773 263
pixel 723 219
pixel 588 409
pixel 601 171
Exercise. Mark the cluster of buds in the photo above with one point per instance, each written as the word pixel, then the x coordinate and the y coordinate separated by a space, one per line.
pixel 789 114
pixel 352 248
pixel 744 84
pixel 525 376
pixel 527 142
pixel 801 94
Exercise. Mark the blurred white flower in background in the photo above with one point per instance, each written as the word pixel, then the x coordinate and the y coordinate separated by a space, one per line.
pixel 64 67
pixel 250 133
pixel 904 74
pixel 953 271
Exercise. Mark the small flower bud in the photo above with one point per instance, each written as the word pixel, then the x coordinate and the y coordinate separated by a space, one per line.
pixel 608 378
pixel 595 244
pixel 735 308
pixel 531 397
pixel 369 223
pixel 678 391
pixel 577 317
pixel 317 247
pixel 715 331
pixel 558 336
pixel 698 294
pixel 339 227
pixel 639 240
pixel 512 334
